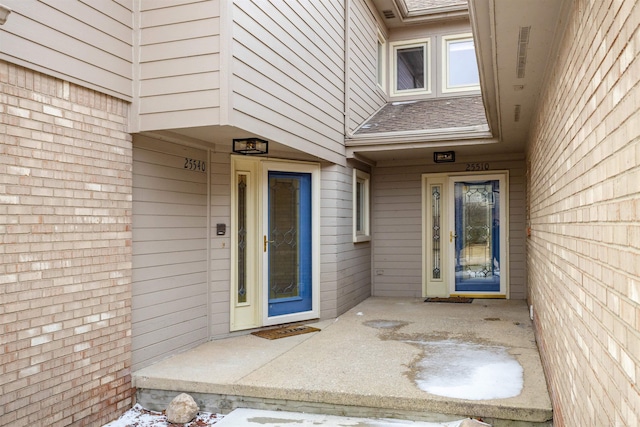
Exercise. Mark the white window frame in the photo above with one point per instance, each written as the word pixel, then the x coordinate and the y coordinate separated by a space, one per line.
pixel 381 65
pixel 362 234
pixel 446 88
pixel 395 46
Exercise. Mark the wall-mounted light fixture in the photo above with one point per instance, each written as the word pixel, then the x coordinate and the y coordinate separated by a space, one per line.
pixel 444 156
pixel 250 146
pixel 4 12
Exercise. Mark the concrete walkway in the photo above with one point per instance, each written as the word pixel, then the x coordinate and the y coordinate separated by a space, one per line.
pixel 376 361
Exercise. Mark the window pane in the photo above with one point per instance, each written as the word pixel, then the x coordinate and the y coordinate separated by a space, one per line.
pixel 359 205
pixel 242 239
pixel 463 68
pixel 410 64
pixel 380 62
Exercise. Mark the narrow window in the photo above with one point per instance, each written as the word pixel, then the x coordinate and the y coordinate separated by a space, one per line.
pixel 381 61
pixel 411 68
pixel 241 209
pixel 360 206
pixel 460 64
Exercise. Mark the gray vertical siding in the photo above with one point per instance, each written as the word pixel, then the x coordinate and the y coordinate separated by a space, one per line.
pixel 397 226
pixel 179 64
pixel 169 296
pixel 75 41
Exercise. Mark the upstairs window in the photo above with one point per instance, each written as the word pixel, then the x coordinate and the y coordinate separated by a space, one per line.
pixel 382 61
pixel 460 68
pixel 411 68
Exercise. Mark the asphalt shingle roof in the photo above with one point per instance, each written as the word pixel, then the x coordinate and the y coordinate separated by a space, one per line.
pixel 436 113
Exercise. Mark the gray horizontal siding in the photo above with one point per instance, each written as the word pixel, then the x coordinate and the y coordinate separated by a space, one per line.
pixel 288 74
pixel 365 97
pixel 397 227
pixel 88 43
pixel 169 296
pixel 179 64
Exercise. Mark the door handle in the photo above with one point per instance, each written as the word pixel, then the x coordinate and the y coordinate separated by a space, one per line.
pixel 452 236
pixel 267 241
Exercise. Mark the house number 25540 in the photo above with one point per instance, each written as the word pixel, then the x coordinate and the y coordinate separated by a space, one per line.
pixel 195 165
pixel 477 167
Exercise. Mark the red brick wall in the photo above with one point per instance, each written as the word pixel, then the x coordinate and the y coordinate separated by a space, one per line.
pixel 65 270
pixel 584 212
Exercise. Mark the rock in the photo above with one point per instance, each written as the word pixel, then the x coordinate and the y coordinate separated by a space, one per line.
pixel 182 409
pixel 470 422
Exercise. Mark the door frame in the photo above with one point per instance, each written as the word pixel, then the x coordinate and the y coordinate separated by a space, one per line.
pixel 444 285
pixel 254 313
pixel 298 167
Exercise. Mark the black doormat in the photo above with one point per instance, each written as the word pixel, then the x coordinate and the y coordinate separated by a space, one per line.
pixel 459 300
pixel 287 331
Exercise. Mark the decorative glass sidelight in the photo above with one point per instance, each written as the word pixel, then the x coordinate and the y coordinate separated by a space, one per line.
pixel 436 191
pixel 242 239
pixel 477 236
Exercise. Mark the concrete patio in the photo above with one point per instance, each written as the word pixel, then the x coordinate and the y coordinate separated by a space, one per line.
pixel 372 361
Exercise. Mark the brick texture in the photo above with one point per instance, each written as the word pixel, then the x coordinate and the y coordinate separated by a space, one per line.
pixel 65 271
pixel 584 211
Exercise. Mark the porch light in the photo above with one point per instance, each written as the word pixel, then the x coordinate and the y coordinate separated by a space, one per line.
pixel 250 146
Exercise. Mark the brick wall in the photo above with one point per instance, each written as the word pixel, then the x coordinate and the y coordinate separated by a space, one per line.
pixel 65 270
pixel 584 211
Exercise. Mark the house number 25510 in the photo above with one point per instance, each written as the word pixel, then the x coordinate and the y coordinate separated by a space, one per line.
pixel 195 165
pixel 477 167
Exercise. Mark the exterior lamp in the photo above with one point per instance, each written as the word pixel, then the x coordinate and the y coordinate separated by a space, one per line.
pixel 250 146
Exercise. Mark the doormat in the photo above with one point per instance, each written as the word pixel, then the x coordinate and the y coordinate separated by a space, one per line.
pixel 460 300
pixel 287 331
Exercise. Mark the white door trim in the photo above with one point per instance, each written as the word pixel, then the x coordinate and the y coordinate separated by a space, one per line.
pixel 254 312
pixel 444 286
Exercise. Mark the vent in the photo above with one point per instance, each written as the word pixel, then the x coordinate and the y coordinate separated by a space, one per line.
pixel 388 14
pixel 523 45
pixel 516 113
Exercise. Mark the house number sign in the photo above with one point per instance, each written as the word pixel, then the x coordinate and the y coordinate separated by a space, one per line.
pixel 195 165
pixel 477 167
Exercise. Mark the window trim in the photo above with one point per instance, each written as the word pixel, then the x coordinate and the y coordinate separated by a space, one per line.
pixel 381 61
pixel 446 88
pixel 364 179
pixel 405 44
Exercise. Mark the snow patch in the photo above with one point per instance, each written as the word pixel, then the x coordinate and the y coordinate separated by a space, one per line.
pixel 141 417
pixel 470 371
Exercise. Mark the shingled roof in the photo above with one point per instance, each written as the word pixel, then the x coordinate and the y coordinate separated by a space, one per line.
pixel 436 113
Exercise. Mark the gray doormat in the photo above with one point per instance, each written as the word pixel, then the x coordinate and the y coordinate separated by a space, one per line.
pixel 459 300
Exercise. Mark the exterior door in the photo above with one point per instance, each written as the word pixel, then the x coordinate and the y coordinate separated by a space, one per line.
pixel 287 243
pixel 476 236
pixel 275 234
pixel 465 235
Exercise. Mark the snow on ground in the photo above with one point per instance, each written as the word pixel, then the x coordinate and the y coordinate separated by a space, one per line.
pixel 140 417
pixel 244 417
pixel 469 371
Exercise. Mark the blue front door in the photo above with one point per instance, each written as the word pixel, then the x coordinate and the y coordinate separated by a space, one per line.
pixel 289 243
pixel 477 236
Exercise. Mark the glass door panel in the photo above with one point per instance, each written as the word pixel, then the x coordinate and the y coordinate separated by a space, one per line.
pixel 477 236
pixel 288 243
